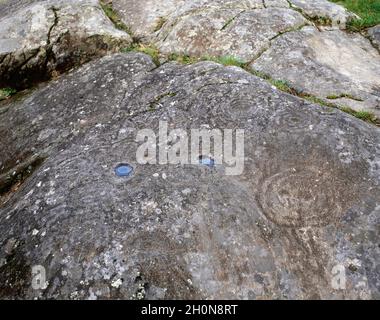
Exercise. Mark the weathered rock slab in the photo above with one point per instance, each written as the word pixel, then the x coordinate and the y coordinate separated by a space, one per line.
pixel 329 64
pixel 242 34
pixel 374 34
pixel 274 37
pixel 145 17
pixel 307 201
pixel 41 38
pixel 325 12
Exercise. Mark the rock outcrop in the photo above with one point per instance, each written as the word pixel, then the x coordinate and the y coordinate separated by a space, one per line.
pixel 301 221
pixel 324 12
pixel 308 199
pixel 338 67
pixel 301 42
pixel 374 34
pixel 40 39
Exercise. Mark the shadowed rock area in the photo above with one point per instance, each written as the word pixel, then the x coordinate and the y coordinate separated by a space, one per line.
pixel 304 209
pixel 374 34
pixel 40 39
pixel 308 198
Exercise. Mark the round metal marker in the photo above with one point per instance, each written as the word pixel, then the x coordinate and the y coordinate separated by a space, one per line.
pixel 207 161
pixel 124 170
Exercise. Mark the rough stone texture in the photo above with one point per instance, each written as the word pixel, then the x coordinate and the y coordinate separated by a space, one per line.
pixel 145 16
pixel 40 38
pixel 320 10
pixel 309 197
pixel 242 34
pixel 142 17
pixel 307 201
pixel 199 28
pixel 327 64
pixel 8 6
pixel 374 34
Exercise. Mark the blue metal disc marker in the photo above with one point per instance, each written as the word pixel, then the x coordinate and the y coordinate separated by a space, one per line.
pixel 206 161
pixel 123 170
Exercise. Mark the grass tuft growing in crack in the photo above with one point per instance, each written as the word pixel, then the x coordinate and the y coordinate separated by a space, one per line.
pixel 281 85
pixel 6 93
pixel 160 22
pixel 363 115
pixel 226 61
pixel 343 95
pixel 285 87
pixel 317 100
pixel 150 50
pixel 114 17
pixel 321 21
pixel 183 59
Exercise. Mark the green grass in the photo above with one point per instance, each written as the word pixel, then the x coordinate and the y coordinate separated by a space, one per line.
pixel 367 10
pixel 282 85
pixel 150 50
pixel 279 84
pixel 6 93
pixel 344 95
pixel 363 115
pixel 225 60
pixel 114 17
pixel 233 61
pixel 323 21
pixel 183 59
pixel 160 22
pixel 319 101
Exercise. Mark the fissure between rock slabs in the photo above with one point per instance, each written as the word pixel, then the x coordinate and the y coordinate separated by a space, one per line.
pixel 66 45
pixel 45 74
pixel 11 181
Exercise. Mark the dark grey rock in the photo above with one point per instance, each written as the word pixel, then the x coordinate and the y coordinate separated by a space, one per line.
pixel 374 34
pixel 308 199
